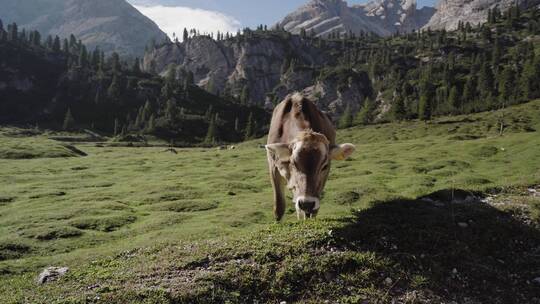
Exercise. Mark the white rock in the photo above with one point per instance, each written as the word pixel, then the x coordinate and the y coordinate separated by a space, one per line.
pixel 388 281
pixel 536 280
pixel 51 274
pixel 382 17
pixel 463 225
pixel 450 12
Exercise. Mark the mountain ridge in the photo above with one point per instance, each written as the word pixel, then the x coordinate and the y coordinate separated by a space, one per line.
pixel 450 13
pixel 382 17
pixel 111 25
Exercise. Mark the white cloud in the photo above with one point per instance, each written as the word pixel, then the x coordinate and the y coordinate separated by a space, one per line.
pixel 173 19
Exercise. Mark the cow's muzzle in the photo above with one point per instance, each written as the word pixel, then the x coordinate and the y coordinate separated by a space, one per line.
pixel 308 204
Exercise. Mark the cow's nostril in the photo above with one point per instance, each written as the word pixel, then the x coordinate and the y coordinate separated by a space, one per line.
pixel 306 205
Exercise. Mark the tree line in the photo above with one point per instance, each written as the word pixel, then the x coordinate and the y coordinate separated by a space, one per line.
pixel 112 95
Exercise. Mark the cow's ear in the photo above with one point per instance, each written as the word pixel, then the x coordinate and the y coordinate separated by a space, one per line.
pixel 342 152
pixel 280 151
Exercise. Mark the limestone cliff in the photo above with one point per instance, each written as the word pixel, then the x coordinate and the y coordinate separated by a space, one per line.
pixel 382 17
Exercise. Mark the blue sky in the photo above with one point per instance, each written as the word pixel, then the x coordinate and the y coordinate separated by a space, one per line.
pixel 226 15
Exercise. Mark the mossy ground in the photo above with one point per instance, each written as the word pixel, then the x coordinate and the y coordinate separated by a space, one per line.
pixel 146 225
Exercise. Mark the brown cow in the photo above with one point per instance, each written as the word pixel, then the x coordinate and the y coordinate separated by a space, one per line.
pixel 301 144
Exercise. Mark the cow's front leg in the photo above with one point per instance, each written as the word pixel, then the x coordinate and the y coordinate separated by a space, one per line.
pixel 278 183
pixel 300 214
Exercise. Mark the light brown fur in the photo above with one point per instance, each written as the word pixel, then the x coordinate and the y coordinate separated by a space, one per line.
pixel 296 119
pixel 311 137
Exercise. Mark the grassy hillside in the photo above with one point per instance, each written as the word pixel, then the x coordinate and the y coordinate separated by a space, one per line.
pixel 149 225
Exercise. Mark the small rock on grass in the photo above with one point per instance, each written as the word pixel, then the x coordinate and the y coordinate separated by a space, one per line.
pixel 536 281
pixel 51 274
pixel 463 225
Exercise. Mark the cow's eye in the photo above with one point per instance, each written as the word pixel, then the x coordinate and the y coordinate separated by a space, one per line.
pixel 325 167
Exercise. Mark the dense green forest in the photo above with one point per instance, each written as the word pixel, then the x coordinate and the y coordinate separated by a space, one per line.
pixel 60 84
pixel 432 73
pixel 472 69
pixel 426 73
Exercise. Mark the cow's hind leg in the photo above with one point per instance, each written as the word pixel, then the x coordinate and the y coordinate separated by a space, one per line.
pixel 278 183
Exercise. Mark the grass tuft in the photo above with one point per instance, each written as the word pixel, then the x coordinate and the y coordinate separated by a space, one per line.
pixel 105 224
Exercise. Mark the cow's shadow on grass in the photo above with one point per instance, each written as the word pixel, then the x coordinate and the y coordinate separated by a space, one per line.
pixel 453 251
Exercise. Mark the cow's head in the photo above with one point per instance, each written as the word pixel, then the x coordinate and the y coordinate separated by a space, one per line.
pixel 305 163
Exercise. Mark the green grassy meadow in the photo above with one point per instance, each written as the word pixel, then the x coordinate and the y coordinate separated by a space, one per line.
pixel 148 225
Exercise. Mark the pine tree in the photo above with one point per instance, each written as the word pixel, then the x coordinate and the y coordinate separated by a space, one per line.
pixel 365 115
pixel 469 91
pixel 36 39
pixel 496 53
pixel 136 68
pixel 169 85
pixel 94 59
pixel 12 32
pixel 303 33
pixel 210 87
pixel 65 46
pixel 507 83
pixel 116 126
pixel 237 124
pixel 72 41
pixel 83 57
pixel 244 96
pixel 249 130
pixel 529 84
pixel 454 99
pixel 486 33
pixel 115 63
pixel 211 133
pixel 139 121
pixel 171 112
pixel 485 80
pixel 399 112
pixel 189 81
pixel 69 121
pixel 56 45
pixel 346 119
pixel 209 113
pixel 98 98
pixel 186 35
pixel 147 111
pixel 113 92
pixel 424 108
pixel 151 125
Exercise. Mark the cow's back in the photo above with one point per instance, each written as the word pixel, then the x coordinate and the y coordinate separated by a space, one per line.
pixel 295 114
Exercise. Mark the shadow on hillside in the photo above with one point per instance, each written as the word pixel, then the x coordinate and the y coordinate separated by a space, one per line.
pixel 465 251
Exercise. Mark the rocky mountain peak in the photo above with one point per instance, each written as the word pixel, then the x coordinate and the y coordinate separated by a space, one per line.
pixel 382 17
pixel 451 12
